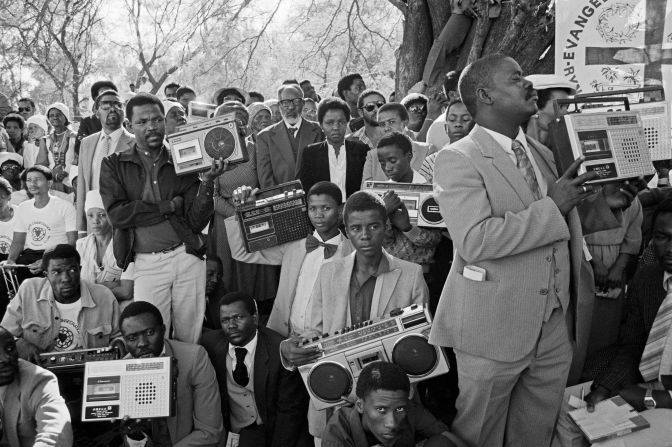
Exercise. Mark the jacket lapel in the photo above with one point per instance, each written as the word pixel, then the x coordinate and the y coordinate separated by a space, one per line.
pixel 125 142
pixel 13 410
pixel 322 162
pixel 501 161
pixel 340 304
pixel 385 287
pixel 260 370
pixel 280 136
pixel 544 158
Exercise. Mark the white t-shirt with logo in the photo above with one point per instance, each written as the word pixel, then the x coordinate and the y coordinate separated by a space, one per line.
pixel 69 334
pixel 45 227
pixel 7 232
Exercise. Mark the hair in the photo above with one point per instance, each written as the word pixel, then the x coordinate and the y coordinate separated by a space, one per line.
pixel 234 297
pixel 296 87
pixel 45 171
pixel 183 91
pixel 346 82
pixel 227 91
pixel 7 187
pixel 450 81
pixel 364 201
pixel 332 103
pixel 396 107
pixel 476 75
pixel 139 308
pixel 99 85
pixel 381 376
pixel 18 119
pixel 171 85
pixel 61 251
pixel 307 100
pixel 32 103
pixel 452 103
pixel 365 93
pixel 544 95
pixel 663 207
pixel 214 258
pixel 413 98
pixel 106 92
pixel 305 81
pixel 397 139
pixel 142 99
pixel 328 189
pixel 257 96
pixel 290 81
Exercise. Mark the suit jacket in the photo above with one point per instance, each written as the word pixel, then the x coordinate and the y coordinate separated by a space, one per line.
pixel 290 256
pixel 373 171
pixel 88 126
pixel 35 412
pixel 644 296
pixel 280 396
pixel 85 172
pixel 402 286
pixel 198 416
pixel 276 162
pixel 496 224
pixel 314 165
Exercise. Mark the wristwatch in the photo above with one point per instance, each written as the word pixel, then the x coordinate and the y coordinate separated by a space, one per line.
pixel 649 401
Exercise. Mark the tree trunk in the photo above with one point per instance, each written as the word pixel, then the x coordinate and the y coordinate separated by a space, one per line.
pixel 415 46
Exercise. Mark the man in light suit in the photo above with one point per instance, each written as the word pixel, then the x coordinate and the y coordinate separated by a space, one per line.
pixel 279 146
pixel 198 415
pixel 261 401
pixel 112 138
pixel 33 413
pixel 516 224
pixel 336 159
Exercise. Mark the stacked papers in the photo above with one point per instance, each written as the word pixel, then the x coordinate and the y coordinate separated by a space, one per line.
pixel 611 418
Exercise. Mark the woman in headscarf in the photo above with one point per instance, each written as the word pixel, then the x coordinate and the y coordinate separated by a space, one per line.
pixel 175 115
pixel 258 280
pixel 57 149
pixel 260 118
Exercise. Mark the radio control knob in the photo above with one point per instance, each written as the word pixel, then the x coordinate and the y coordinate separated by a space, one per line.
pixel 325 335
pixel 396 312
pixel 52 359
pixel 316 338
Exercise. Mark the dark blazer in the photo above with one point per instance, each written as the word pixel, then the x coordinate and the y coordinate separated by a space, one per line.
pixel 88 126
pixel 276 162
pixel 644 297
pixel 280 396
pixel 314 165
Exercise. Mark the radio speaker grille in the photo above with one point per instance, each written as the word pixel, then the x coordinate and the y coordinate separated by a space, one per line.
pixel 330 381
pixel 219 143
pixel 415 355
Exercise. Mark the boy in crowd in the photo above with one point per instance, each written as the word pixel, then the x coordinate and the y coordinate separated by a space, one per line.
pixel 384 415
pixel 300 260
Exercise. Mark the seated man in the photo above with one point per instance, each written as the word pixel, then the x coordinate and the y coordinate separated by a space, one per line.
pixel 261 401
pixel 214 291
pixel 60 312
pixel 198 416
pixel 641 368
pixel 33 411
pixel 383 414
pixel 367 284
pixel 300 260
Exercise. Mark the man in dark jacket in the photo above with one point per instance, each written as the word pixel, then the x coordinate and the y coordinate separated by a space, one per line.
pixel 91 124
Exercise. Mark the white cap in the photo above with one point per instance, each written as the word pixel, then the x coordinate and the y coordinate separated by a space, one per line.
pixel 547 81
pixel 168 104
pixel 93 200
pixel 7 156
pixel 38 120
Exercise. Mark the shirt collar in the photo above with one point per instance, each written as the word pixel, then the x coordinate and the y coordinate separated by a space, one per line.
pixel 334 240
pixel 297 125
pixel 505 142
pixel 47 294
pixel 113 135
pixel 417 178
pixel 666 276
pixel 251 346
pixel 330 147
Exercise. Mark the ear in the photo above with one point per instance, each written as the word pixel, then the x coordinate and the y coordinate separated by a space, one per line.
pixel 359 405
pixel 483 95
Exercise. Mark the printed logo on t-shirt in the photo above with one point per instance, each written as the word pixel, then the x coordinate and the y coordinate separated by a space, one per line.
pixel 39 232
pixel 68 336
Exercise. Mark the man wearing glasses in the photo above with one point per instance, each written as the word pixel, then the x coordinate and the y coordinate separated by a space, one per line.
pixel 112 138
pixel 279 146
pixel 368 103
pixel 27 108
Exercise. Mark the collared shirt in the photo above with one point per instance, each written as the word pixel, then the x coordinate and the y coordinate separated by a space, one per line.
pixel 251 347
pixel 242 402
pixel 363 137
pixel 33 315
pixel 505 142
pixel 361 295
pixel 297 125
pixel 310 269
pixel 101 152
pixel 417 178
pixel 337 166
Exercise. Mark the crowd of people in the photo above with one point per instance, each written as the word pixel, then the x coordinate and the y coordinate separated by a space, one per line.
pixel 526 281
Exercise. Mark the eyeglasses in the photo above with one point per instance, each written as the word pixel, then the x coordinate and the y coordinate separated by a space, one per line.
pixel 370 107
pixel 238 318
pixel 417 109
pixel 25 109
pixel 286 103
pixel 107 105
pixel 11 167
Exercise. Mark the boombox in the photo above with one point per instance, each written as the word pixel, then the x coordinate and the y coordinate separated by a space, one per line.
pixel 199 111
pixel 195 145
pixel 276 219
pixel 138 388
pixel 613 144
pixel 73 361
pixel 420 203
pixel 402 338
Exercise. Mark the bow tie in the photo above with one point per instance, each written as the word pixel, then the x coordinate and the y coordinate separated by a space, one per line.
pixel 312 243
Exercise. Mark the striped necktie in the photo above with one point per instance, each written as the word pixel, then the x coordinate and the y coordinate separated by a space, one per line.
pixel 525 167
pixel 649 366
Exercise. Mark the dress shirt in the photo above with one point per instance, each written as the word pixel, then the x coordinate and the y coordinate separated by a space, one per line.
pixel 505 142
pixel 297 125
pixel 361 295
pixel 337 166
pixel 310 270
pixel 236 419
pixel 251 347
pixel 100 153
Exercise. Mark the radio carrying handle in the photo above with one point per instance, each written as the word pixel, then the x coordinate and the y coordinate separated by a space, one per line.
pixel 648 89
pixel 282 187
pixel 581 100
